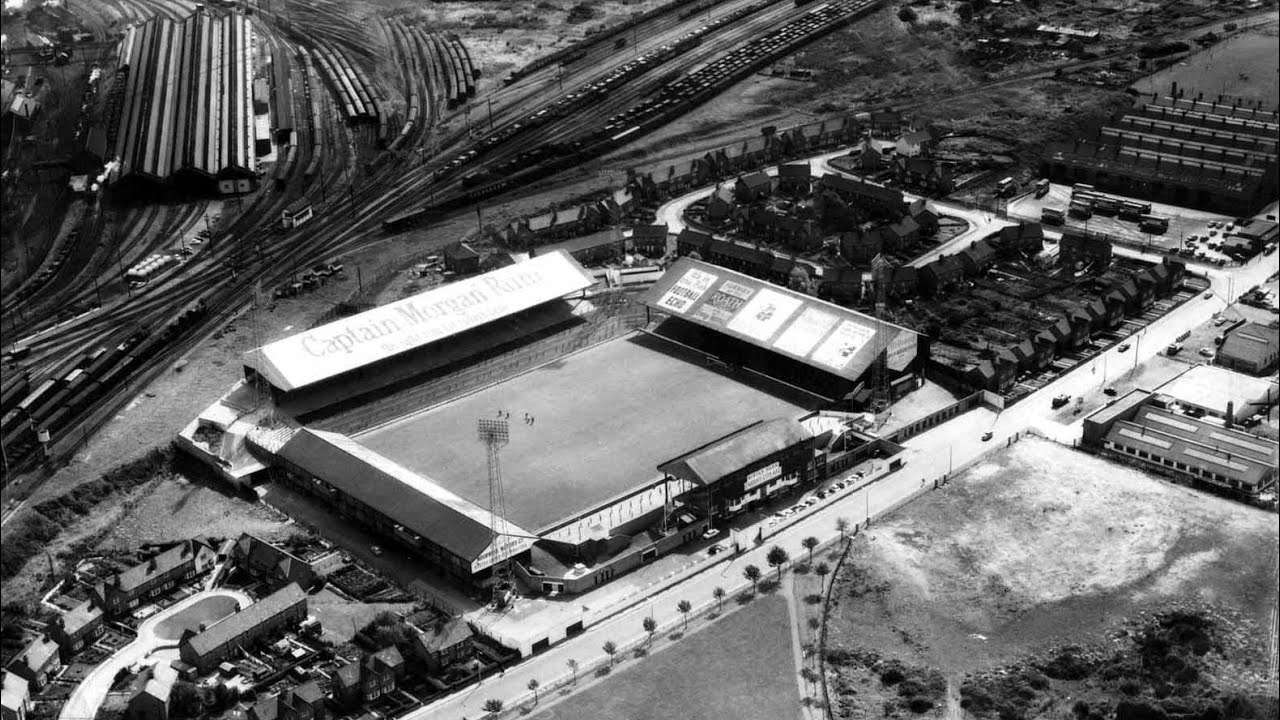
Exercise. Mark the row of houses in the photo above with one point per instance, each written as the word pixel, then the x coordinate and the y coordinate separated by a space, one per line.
pixel 1074 328
pixel 860 245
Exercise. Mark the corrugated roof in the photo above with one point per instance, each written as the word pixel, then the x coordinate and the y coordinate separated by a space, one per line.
pixel 1252 342
pixel 344 345
pixel 820 334
pixel 1212 448
pixel 236 624
pixel 416 502
pixel 733 452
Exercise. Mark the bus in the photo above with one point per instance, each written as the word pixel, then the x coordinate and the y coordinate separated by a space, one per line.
pixel 1052 216
pixel 1080 209
pixel 1106 206
pixel 1082 188
pixel 1005 187
pixel 1154 224
pixel 1042 188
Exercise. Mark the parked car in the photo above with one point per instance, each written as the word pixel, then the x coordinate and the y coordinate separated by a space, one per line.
pixel 710 533
pixel 1109 392
pixel 1208 294
pixel 375 549
pixel 987 435
pixel 1124 347
pixel 1206 352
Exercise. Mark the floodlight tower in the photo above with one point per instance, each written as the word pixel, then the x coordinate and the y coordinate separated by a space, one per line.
pixel 880 272
pixel 494 434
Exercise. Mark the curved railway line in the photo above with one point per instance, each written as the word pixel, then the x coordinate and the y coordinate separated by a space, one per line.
pixel 245 255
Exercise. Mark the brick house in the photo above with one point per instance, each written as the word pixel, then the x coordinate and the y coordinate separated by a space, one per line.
pixel 76 629
pixel 940 274
pixel 271 564
pixel 1077 247
pixel 304 702
pixel 443 644
pixel 752 188
pixel 283 609
pixel 357 683
pixel 15 696
pixel 124 591
pixel 38 663
pixel 1024 238
pixel 794 178
pixel 650 240
pixel 151 701
pixel 977 258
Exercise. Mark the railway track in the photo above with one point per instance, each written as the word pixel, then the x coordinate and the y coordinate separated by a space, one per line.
pixel 225 275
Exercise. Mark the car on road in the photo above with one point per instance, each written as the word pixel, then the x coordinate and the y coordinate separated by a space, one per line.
pixel 710 533
pixel 810 501
pixel 376 550
pixel 1124 347
pixel 987 435
pixel 1109 392
pixel 1208 294
pixel 1206 352
pixel 715 549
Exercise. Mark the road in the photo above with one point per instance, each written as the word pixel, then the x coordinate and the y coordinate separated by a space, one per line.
pixel 929 456
pixel 84 701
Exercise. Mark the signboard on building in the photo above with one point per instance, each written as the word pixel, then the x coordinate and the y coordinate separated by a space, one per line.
pixel 764 475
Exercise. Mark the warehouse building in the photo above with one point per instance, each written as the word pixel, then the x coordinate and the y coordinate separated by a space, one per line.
pixel 187 115
pixel 1212 154
pixel 1250 348
pixel 1142 427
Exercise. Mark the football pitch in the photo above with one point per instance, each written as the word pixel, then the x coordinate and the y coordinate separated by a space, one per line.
pixel 603 420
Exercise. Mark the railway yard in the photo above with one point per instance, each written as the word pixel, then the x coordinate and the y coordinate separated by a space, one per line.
pixel 186 181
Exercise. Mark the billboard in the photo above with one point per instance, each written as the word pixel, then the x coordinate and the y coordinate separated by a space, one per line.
pixel 764 314
pixel 838 349
pixel 370 336
pixel 686 291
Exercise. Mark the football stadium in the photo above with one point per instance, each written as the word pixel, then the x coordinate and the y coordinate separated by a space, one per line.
pixel 615 448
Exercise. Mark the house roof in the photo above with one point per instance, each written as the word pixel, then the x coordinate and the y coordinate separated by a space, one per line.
pixel 262 553
pixel 134 577
pixel 308 692
pixel 348 675
pixel 37 653
pixel 79 616
pixel 233 626
pixel 650 231
pixel 389 655
pixel 979 252
pixel 737 450
pixel 794 171
pixel 842 184
pixel 412 500
pixel 756 181
pixel 1252 342
pixel 585 242
pixel 15 691
pixel 820 334
pixel 158 689
pixel 918 137
pixel 443 636
pixel 460 251
pixel 344 345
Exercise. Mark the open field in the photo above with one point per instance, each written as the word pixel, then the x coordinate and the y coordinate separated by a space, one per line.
pixel 1240 67
pixel 738 667
pixel 603 421
pixel 1037 547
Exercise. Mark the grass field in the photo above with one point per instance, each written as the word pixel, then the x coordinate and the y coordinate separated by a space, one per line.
pixel 739 667
pixel 1243 67
pixel 603 421
pixel 204 613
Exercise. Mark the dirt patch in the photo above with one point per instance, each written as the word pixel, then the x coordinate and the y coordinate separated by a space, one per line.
pixel 341 619
pixel 1036 547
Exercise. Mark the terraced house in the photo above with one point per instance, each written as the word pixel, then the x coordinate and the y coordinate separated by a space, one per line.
pixel 282 609
pixel 125 591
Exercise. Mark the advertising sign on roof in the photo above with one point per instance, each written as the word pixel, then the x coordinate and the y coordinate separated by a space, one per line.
pixel 806 331
pixel 354 342
pixel 764 314
pixel 686 291
pixel 843 344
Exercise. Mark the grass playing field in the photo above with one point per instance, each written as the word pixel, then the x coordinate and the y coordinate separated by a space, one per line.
pixel 603 421
pixel 740 667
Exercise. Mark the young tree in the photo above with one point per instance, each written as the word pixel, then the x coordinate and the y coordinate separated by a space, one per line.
pixel 185 700
pixel 573 665
pixel 907 15
pixel 533 685
pixel 964 11
pixel 809 544
pixel 822 570
pixel 610 648
pixel 493 706
pixel 684 606
pixel 650 626
pixel 752 573
pixel 719 596
pixel 842 524
pixel 809 675
pixel 777 557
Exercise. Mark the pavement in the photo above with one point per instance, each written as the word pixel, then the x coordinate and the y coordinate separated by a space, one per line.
pixel 147 648
pixel 931 457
